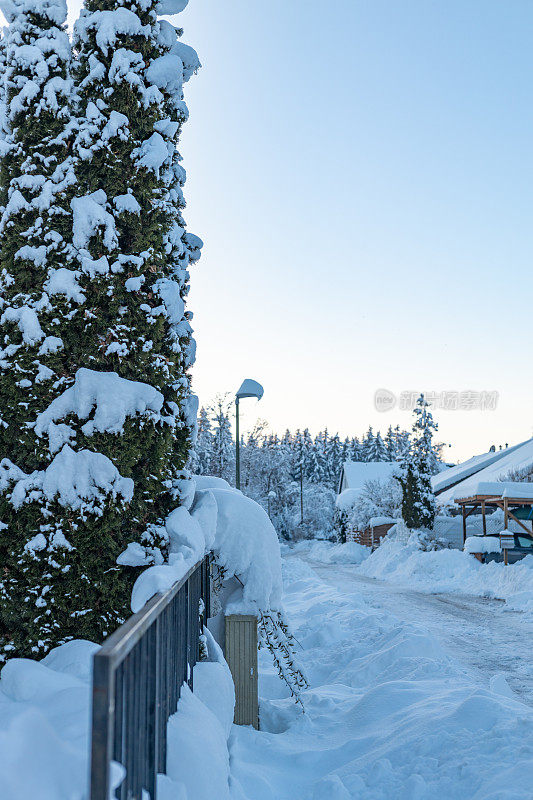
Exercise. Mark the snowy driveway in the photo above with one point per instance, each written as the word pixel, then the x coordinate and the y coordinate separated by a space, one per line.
pixel 409 697
pixel 482 634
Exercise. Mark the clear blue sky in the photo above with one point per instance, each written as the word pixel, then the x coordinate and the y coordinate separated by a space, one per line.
pixel 361 174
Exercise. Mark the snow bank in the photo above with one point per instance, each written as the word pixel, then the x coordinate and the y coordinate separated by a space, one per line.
pixel 44 724
pixel 327 553
pixel 246 545
pixel 389 715
pixel 45 728
pixel 239 533
pixel 451 571
pixel 198 734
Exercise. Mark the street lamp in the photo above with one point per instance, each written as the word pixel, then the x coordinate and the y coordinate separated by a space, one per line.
pixel 249 388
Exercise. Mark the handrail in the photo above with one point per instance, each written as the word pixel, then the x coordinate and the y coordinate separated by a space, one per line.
pixel 137 677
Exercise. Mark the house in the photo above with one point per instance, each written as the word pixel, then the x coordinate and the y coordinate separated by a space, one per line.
pixel 355 474
pixel 461 480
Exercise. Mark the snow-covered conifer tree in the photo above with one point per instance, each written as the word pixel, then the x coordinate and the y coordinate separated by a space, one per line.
pixel 418 500
pixel 376 450
pixel 102 450
pixel 367 444
pixel 318 465
pixel 390 444
pixel 222 453
pixel 356 450
pixel 37 183
pixel 203 447
pixel 334 461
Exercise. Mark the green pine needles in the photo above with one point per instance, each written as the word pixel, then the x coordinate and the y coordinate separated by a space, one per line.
pixel 96 344
pixel 418 460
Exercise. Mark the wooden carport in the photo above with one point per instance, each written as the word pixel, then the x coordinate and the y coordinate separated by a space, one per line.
pixel 508 505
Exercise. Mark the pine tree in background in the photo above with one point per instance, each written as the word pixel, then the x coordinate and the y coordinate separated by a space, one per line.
pixel 390 444
pixel 356 450
pixel 418 501
pixel 203 449
pixel 335 461
pixel 367 444
pixel 222 455
pixel 318 465
pixel 376 450
pixel 95 322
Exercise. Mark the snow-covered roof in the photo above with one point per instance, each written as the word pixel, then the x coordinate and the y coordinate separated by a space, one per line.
pixel 453 475
pixel 519 457
pixel 517 489
pixel 357 473
pixel 374 521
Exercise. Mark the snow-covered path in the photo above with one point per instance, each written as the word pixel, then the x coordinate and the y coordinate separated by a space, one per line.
pixel 482 634
pixel 408 697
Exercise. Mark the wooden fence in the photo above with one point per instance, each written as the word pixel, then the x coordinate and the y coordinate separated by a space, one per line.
pixel 137 678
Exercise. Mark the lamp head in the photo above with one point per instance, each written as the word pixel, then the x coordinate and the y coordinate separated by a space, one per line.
pixel 250 388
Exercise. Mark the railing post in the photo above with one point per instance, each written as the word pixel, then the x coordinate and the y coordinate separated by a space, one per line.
pixel 103 718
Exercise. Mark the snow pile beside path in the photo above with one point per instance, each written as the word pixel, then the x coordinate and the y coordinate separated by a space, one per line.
pixel 246 545
pixel 45 728
pixel 451 571
pixel 44 725
pixel 388 714
pixel 239 533
pixel 198 734
pixel 327 553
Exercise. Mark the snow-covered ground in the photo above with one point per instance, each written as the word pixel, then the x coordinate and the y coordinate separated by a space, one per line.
pixel 45 719
pixel 412 696
pixel 415 693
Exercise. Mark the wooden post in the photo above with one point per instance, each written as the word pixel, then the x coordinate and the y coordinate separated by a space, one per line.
pixel 463 509
pixel 505 513
pixel 241 655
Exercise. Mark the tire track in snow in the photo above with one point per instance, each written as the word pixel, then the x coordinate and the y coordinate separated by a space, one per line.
pixel 480 633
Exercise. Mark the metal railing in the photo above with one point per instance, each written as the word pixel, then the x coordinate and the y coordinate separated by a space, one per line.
pixel 137 679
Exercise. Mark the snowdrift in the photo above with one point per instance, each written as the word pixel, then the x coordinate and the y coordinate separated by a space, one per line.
pixel 389 714
pixel 451 571
pixel 45 718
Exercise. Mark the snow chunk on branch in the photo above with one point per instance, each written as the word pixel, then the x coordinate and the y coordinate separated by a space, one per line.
pixel 171 6
pixel 113 399
pixel 169 292
pixel 27 321
pixel 166 72
pixel 64 281
pixel 78 480
pixel 89 215
pixel 152 154
pixel 109 25
pixel 53 10
pixel 126 202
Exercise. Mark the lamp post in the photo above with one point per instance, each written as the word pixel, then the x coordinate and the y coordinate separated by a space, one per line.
pixel 249 388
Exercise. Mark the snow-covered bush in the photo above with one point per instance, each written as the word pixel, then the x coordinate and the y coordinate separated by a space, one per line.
pixel 95 397
pixel 354 508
